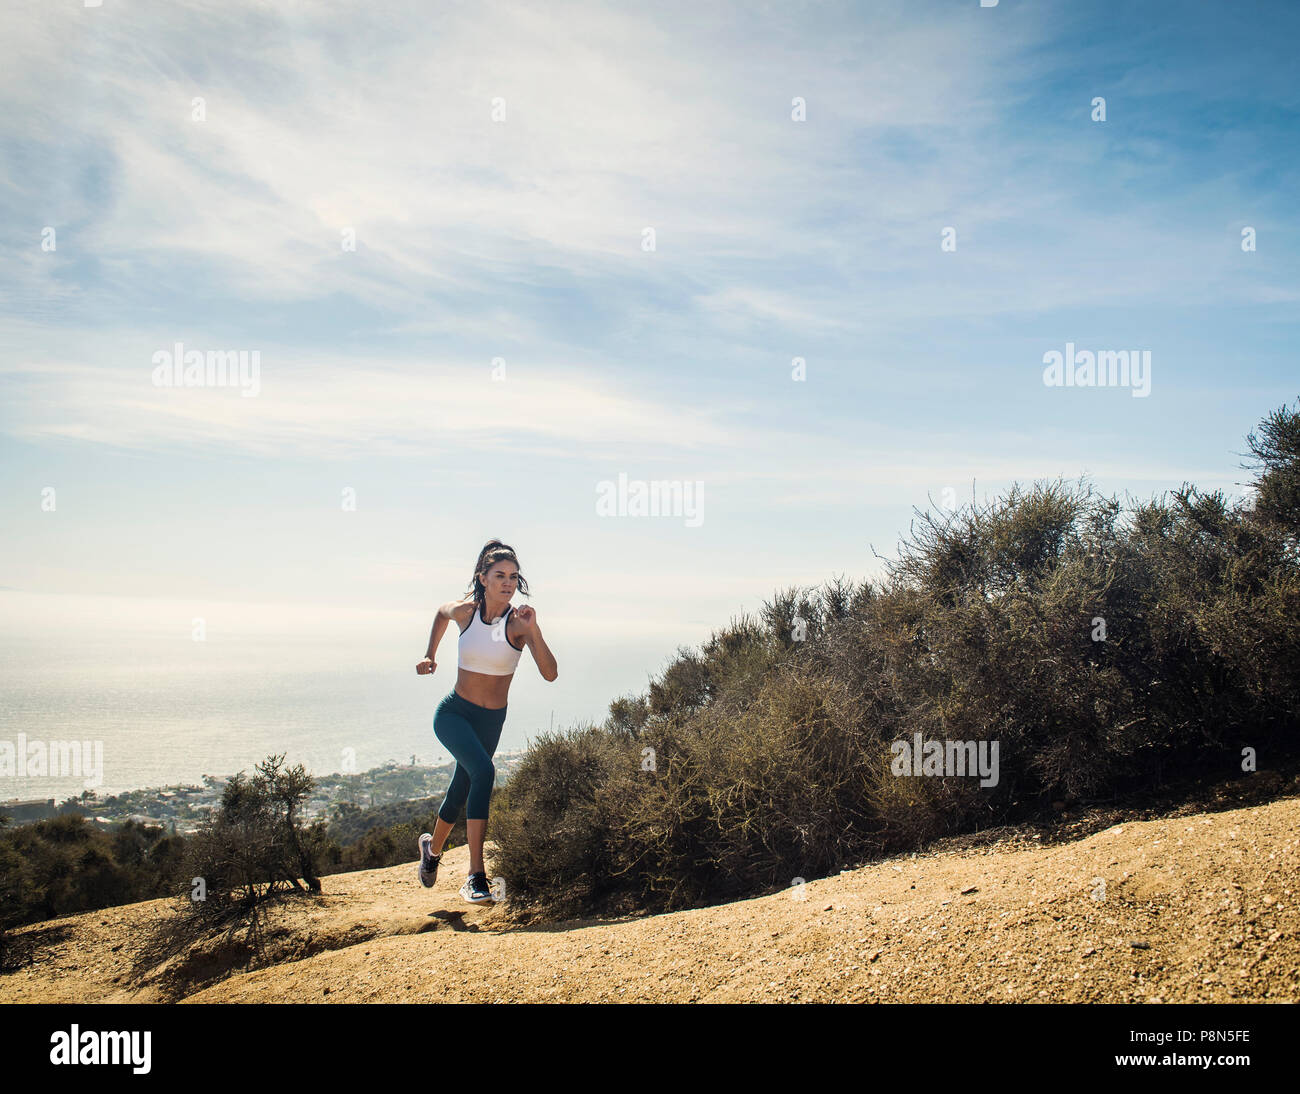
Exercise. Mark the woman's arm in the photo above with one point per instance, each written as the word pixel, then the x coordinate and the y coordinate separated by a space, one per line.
pixel 440 621
pixel 533 638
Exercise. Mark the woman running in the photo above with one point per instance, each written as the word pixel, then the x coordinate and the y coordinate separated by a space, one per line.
pixel 468 721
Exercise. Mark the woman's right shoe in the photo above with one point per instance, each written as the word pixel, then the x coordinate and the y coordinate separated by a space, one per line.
pixel 476 888
pixel 428 869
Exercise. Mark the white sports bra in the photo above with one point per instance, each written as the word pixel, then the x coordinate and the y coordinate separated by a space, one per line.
pixel 484 647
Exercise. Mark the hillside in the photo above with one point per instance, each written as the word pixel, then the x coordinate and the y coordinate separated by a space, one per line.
pixel 1196 908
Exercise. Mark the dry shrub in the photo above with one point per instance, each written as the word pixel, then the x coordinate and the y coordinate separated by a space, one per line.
pixel 1105 650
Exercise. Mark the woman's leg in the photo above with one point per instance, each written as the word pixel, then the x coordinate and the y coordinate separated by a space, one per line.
pixel 470 734
pixel 456 734
pixel 475 833
pixel 487 728
pixel 441 830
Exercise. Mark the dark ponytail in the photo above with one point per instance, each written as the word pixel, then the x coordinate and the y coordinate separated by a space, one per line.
pixel 493 551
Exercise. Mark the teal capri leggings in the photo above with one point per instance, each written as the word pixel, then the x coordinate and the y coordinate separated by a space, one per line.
pixel 470 733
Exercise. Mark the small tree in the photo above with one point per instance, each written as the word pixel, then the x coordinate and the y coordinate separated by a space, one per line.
pixel 249 853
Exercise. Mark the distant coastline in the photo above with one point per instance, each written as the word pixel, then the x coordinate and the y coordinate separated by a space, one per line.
pixel 180 809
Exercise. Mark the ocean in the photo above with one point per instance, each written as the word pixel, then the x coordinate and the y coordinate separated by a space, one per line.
pixel 163 709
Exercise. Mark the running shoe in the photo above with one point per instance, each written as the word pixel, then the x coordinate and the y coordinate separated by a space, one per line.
pixel 476 888
pixel 428 869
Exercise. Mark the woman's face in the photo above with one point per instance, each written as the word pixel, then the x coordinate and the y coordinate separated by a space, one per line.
pixel 500 579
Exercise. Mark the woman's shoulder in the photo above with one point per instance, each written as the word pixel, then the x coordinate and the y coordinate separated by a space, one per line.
pixel 462 611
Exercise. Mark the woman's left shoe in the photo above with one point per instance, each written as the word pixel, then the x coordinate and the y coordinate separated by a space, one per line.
pixel 476 889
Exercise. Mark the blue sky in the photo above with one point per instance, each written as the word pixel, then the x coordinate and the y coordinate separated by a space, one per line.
pixel 521 239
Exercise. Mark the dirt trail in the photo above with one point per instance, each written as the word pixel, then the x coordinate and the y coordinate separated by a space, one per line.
pixel 1193 909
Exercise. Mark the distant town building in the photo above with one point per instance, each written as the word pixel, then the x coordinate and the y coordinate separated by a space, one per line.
pixel 28 809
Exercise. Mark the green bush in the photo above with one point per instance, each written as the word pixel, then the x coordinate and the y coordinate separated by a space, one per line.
pixel 66 865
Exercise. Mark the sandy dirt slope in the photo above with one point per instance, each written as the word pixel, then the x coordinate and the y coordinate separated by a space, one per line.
pixel 1186 909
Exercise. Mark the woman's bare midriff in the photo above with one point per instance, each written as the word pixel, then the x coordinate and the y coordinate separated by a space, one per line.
pixel 479 687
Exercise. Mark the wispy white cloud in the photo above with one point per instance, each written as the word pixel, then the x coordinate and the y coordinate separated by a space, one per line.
pixel 324 117
pixel 327 407
pixel 632 123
